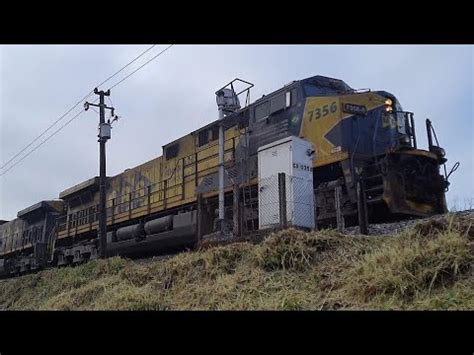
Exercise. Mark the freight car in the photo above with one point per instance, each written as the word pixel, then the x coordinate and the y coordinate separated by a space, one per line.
pixel 24 241
pixel 171 201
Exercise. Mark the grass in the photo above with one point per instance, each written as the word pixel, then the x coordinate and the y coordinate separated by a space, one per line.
pixel 426 267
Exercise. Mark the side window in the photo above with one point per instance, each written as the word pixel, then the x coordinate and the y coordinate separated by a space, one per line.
pixel 262 111
pixel 214 133
pixel 203 137
pixel 208 135
pixel 290 98
pixel 277 103
pixel 172 151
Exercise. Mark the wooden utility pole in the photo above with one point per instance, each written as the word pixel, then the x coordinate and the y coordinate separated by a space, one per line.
pixel 104 135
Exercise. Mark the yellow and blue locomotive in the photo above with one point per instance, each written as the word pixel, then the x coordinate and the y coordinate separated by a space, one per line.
pixel 170 201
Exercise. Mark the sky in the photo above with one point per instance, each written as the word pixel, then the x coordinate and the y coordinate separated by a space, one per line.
pixel 174 95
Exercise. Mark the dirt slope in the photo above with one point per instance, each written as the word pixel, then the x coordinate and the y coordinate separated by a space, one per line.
pixel 427 266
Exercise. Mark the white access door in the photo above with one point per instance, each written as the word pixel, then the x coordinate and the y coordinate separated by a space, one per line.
pixel 271 161
pixel 290 155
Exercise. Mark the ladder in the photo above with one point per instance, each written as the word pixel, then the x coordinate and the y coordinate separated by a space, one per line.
pixel 249 196
pixel 373 182
pixel 52 243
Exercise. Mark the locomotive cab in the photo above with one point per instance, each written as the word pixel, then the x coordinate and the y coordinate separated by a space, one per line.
pixel 366 136
pixel 412 182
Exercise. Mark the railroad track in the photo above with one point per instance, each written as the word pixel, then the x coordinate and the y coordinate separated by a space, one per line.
pixel 396 227
pixel 374 229
pixel 256 237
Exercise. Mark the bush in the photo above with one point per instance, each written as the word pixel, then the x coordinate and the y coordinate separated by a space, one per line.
pixel 426 258
pixel 295 250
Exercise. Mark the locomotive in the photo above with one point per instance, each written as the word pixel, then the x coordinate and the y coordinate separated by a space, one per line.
pixel 171 201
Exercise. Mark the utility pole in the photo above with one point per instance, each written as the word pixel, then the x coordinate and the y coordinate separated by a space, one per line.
pixel 104 135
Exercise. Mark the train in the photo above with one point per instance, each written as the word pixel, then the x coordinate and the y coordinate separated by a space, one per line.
pixel 172 201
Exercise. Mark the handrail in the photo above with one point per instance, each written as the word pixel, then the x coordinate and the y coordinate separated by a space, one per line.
pixel 112 206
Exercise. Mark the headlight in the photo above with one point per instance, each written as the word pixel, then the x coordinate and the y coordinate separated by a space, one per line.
pixel 389 108
pixel 405 140
pixel 440 152
pixel 388 102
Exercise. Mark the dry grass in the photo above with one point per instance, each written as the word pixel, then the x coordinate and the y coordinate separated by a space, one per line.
pixel 426 267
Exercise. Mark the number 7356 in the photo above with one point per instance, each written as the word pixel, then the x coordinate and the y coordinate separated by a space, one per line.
pixel 322 111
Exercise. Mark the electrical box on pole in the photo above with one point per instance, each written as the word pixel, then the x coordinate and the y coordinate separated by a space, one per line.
pixel 105 131
pixel 104 134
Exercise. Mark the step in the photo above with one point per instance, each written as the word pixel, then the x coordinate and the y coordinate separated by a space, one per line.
pixel 374 200
pixel 373 177
pixel 373 189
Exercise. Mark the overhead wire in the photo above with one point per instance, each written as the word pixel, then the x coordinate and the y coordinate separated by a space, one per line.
pixel 82 111
pixel 43 142
pixel 73 107
pixel 133 72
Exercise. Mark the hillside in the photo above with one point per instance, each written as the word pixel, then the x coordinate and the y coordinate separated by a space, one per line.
pixel 426 266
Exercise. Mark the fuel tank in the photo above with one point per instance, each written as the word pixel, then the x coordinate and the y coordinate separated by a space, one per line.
pixel 159 225
pixel 130 232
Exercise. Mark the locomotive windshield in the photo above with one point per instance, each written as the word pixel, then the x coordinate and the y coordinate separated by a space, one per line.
pixel 401 124
pixel 322 86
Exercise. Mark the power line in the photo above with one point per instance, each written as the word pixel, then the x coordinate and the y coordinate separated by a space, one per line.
pixel 133 72
pixel 39 145
pixel 125 66
pixel 44 132
pixel 74 106
pixel 82 111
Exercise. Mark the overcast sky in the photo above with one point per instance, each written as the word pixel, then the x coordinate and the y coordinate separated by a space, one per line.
pixel 174 95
